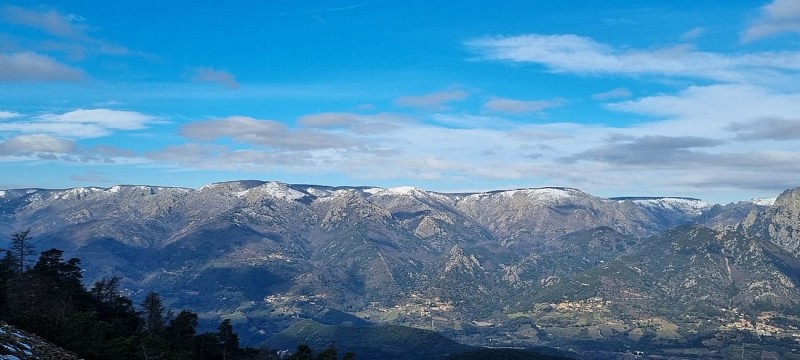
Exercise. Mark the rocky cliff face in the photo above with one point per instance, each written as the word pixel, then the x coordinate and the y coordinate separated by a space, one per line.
pixel 780 223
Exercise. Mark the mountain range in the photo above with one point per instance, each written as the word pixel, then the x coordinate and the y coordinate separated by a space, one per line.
pixel 525 267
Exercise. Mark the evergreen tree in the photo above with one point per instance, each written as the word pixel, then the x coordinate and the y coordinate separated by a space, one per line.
pixel 328 354
pixel 180 336
pixel 228 340
pixel 105 290
pixel 153 345
pixel 303 353
pixel 21 249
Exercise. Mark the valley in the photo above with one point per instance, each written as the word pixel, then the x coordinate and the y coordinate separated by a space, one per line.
pixel 553 267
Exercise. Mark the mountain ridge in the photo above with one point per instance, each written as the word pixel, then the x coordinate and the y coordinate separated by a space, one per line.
pixel 264 252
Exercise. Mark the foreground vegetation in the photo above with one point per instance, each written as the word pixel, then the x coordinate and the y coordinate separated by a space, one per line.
pixel 48 298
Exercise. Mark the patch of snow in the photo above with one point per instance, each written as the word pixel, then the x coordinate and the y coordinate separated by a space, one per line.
pixel 400 190
pixel 547 194
pixel 8 357
pixel 75 193
pixel 373 191
pixel 276 190
pixel 115 189
pixel 692 206
pixel 318 192
pixel 765 201
pixel 2 193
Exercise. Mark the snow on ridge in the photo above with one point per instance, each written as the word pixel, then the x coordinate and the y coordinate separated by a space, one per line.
pixel 76 193
pixel 2 193
pixel 546 193
pixel 273 189
pixel 765 201
pixel 318 192
pixel 694 206
pixel 374 190
pixel 401 190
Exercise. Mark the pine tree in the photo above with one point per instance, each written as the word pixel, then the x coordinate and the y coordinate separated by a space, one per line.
pixel 180 335
pixel 21 249
pixel 153 345
pixel 228 340
pixel 328 354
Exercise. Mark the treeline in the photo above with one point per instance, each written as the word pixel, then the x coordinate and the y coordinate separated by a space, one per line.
pixel 48 298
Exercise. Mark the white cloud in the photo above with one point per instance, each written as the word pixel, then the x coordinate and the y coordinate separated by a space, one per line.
pixel 356 123
pixel 72 130
pixel 693 34
pixel 49 21
pixel 28 66
pixel 25 144
pixel 265 133
pixel 511 106
pixel 8 114
pixel 613 94
pixel 328 120
pixel 779 16
pixel 211 75
pixel 577 54
pixel 68 33
pixel 710 109
pixel 79 124
pixel 767 128
pixel 434 101
pixel 103 118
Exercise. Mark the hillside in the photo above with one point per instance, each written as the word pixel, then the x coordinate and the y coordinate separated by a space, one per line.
pixel 521 267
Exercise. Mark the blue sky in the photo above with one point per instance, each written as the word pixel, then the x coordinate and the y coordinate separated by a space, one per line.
pixel 612 97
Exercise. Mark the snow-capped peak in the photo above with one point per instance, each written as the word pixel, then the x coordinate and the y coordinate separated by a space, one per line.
pixel 541 193
pixel 688 205
pixel 403 190
pixel 275 190
pixel 765 201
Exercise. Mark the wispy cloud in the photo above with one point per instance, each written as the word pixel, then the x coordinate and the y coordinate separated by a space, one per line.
pixel 693 34
pixel 433 101
pixel 779 16
pixel 211 75
pixel 26 144
pixel 767 129
pixel 511 106
pixel 47 20
pixel 8 114
pixel 328 120
pixel 32 67
pixel 264 133
pixel 64 33
pixel 81 123
pixel 651 150
pixel 582 55
pixel 613 94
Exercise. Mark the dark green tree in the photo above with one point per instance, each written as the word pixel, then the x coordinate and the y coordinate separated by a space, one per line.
pixel 180 336
pixel 228 340
pixel 303 353
pixel 21 250
pixel 328 354
pixel 153 345
pixel 105 290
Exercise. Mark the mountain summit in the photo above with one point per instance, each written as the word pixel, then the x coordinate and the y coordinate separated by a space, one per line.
pixel 514 267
